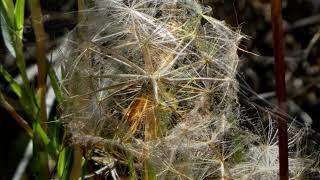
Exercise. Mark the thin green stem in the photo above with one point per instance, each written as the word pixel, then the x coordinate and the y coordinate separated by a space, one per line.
pixel 21 61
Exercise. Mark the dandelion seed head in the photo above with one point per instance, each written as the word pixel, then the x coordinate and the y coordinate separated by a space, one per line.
pixel 157 80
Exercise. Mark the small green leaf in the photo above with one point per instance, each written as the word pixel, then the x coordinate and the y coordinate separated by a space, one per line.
pixel 7 35
pixel 41 133
pixel 13 84
pixel 25 99
pixel 61 163
pixel 64 163
pixel 19 17
pixel 7 24
pixel 7 10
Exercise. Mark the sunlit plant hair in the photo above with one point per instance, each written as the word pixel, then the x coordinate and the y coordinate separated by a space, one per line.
pixel 151 83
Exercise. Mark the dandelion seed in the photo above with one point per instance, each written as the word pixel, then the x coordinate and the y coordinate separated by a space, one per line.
pixel 156 79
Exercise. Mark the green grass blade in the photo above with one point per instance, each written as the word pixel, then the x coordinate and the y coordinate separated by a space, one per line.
pixel 61 163
pixel 41 133
pixel 13 84
pixel 55 85
pixel 7 21
pixel 132 171
pixel 7 34
pixel 8 4
pixel 12 19
pixel 7 10
pixel 24 98
pixel 65 163
pixel 40 159
pixel 19 17
pixel 52 148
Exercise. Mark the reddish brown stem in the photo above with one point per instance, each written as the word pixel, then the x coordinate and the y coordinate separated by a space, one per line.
pixel 278 45
pixel 15 115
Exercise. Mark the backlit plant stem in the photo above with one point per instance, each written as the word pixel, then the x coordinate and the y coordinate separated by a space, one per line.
pixel 278 45
pixel 37 24
pixel 40 149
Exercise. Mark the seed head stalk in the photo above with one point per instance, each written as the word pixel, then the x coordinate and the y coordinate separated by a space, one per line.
pixel 77 156
pixel 278 44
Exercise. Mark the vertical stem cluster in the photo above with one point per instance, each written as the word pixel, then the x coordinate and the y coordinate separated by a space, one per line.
pixel 37 25
pixel 278 45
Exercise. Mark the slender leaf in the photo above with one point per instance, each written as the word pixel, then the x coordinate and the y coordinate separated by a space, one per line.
pixel 7 10
pixel 24 98
pixel 61 163
pixel 65 163
pixel 55 85
pixel 7 34
pixel 19 17
pixel 13 84
pixel 41 133
pixel 39 162
pixel 7 24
